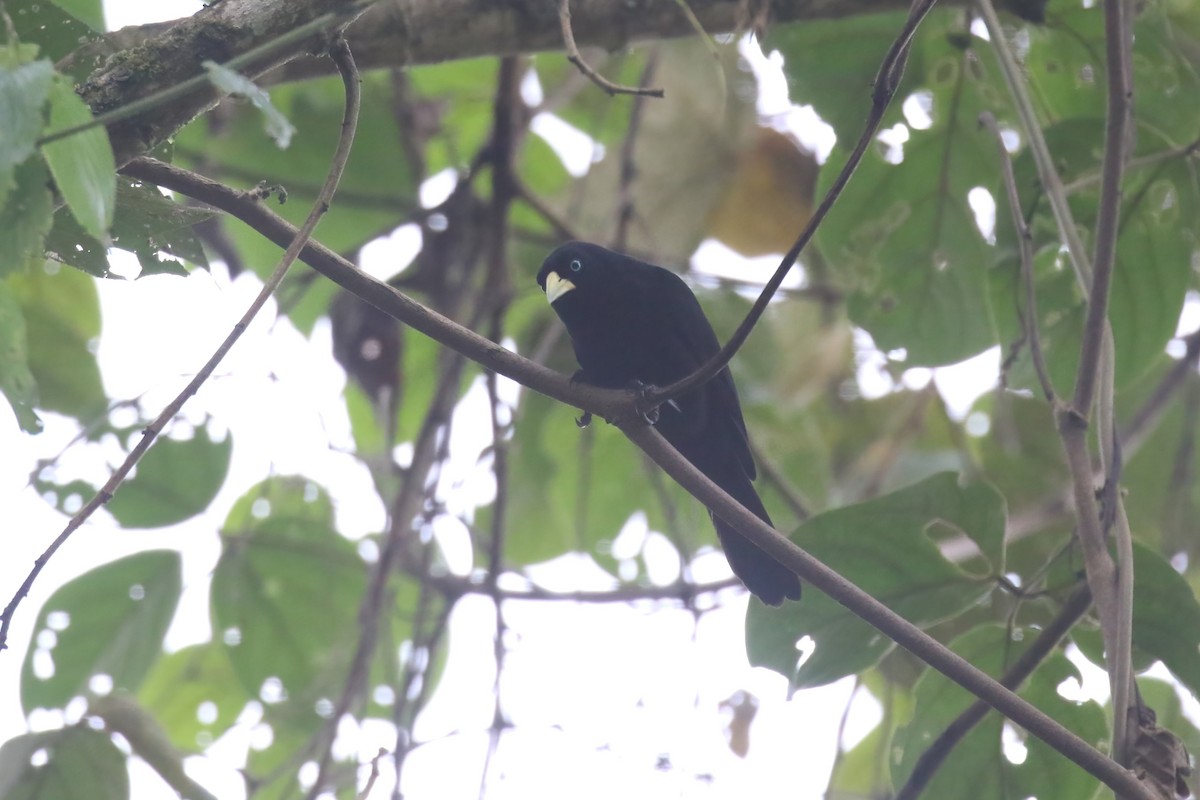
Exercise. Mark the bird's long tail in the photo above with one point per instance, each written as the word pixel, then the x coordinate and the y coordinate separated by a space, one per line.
pixel 765 577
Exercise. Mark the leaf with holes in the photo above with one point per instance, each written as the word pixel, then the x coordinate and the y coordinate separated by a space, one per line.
pixel 883 546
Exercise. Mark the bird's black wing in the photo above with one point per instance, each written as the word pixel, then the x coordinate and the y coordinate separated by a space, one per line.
pixel 696 341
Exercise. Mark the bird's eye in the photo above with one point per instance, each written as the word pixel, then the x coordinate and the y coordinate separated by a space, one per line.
pixel 576 265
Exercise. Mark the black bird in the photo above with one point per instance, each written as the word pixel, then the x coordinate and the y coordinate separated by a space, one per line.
pixel 634 323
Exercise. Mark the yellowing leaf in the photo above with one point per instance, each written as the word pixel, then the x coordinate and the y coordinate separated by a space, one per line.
pixel 770 197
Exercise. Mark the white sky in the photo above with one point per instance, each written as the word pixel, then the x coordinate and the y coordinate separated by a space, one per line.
pixel 598 694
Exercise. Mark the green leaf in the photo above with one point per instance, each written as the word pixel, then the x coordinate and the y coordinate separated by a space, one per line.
pixel 232 82
pixel 90 12
pixel 58 29
pixel 174 481
pixel 977 769
pixel 62 316
pixel 26 217
pixel 907 236
pixel 1162 494
pixel 24 88
pixel 1166 616
pixel 1021 454
pixel 1065 64
pixel 109 621
pixel 81 764
pixel 884 547
pixel 145 223
pixel 16 380
pixel 82 164
pixel 286 590
pixel 195 694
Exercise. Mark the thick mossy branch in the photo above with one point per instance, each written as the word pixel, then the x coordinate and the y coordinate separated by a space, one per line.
pixel 136 62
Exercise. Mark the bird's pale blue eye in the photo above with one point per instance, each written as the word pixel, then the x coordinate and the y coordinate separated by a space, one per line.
pixel 576 265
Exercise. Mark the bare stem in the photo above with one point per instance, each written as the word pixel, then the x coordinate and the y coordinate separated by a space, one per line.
pixel 564 18
pixel 1029 317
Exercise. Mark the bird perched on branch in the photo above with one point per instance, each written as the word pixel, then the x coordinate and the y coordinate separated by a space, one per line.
pixel 634 324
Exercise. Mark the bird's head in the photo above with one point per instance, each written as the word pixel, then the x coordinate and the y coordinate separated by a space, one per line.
pixel 576 268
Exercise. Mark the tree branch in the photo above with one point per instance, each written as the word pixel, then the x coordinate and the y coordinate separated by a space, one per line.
pixel 140 61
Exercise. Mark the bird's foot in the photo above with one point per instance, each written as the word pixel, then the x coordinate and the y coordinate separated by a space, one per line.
pixel 584 419
pixel 643 391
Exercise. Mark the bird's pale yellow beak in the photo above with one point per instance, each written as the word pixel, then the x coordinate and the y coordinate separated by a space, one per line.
pixel 557 286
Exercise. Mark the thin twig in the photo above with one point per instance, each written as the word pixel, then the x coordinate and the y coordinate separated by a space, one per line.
pixel 777 478
pixel 1041 647
pixel 1029 317
pixel 374 776
pixel 564 18
pixel 562 228
pixel 605 403
pixel 1133 164
pixel 297 243
pixel 886 82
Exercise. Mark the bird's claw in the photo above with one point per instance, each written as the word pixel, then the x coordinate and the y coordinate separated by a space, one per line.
pixel 584 419
pixel 644 390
